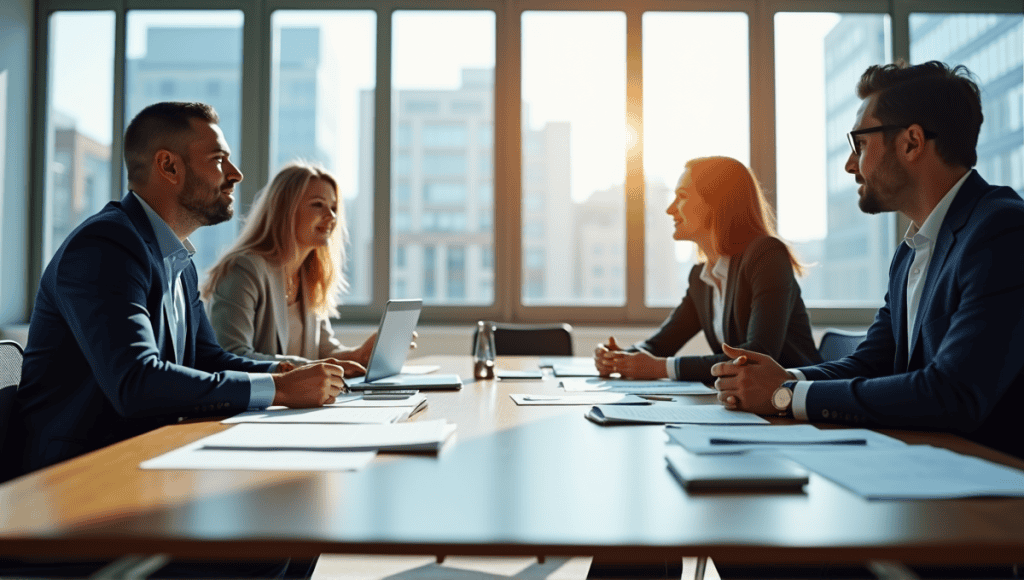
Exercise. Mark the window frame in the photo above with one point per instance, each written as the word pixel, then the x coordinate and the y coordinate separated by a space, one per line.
pixel 507 256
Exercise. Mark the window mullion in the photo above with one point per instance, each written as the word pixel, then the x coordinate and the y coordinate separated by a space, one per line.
pixel 382 166
pixel 635 187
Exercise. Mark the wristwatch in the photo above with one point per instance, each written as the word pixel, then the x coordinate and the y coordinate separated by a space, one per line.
pixel 782 398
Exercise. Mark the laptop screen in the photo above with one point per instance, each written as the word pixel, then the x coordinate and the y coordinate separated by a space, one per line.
pixel 392 345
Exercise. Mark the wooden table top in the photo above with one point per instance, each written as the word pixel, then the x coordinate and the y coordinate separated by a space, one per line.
pixel 516 480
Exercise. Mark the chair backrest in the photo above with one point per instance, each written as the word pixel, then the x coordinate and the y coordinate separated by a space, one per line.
pixel 836 344
pixel 531 339
pixel 11 355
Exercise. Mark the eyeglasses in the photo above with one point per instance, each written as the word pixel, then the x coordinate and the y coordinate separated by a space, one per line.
pixel 852 135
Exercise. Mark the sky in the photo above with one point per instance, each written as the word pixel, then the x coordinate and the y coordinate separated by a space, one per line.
pixel 696 85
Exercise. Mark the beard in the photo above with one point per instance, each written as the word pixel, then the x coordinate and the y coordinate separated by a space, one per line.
pixel 205 203
pixel 883 189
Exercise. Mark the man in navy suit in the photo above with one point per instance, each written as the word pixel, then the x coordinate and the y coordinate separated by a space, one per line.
pixel 119 342
pixel 946 351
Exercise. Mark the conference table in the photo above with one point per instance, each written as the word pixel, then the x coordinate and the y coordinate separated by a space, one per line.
pixel 515 480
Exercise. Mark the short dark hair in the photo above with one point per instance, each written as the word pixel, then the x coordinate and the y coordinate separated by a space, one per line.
pixel 943 100
pixel 160 126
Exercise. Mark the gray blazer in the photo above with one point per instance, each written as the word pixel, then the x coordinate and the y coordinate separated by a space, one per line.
pixel 249 314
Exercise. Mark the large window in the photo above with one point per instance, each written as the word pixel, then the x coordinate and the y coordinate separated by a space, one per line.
pixel 442 93
pixel 818 59
pixel 514 159
pixel 322 93
pixel 191 56
pixel 574 95
pixel 687 115
pixel 78 124
pixel 992 46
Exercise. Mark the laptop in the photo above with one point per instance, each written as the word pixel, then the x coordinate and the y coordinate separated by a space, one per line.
pixel 390 350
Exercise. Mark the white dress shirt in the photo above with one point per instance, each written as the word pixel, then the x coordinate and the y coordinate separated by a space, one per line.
pixel 716 277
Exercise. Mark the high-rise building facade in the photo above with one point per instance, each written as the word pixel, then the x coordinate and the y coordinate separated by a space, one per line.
pixel 992 47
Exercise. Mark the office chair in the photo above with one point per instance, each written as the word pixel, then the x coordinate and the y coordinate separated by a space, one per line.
pixel 836 344
pixel 531 339
pixel 11 355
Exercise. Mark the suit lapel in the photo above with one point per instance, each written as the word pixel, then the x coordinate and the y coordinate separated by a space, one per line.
pixel 898 306
pixel 135 212
pixel 957 217
pixel 728 307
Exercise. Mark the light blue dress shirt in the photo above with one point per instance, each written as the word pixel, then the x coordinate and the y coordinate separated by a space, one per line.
pixel 177 255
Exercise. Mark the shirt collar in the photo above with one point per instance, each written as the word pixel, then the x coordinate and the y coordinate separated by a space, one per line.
pixel 916 237
pixel 166 239
pixel 720 271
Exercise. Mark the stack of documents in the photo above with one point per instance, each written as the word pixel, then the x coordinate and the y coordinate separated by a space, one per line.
pixel 707 440
pixel 336 415
pixel 671 413
pixel 661 387
pixel 261 446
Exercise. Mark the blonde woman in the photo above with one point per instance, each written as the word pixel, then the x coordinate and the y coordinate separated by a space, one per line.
pixel 745 292
pixel 271 296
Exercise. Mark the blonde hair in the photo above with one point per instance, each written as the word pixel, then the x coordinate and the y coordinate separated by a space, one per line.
pixel 739 212
pixel 269 231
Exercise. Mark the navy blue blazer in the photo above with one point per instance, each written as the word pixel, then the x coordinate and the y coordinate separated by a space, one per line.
pixel 966 366
pixel 97 365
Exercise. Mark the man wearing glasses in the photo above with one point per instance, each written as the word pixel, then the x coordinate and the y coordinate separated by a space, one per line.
pixel 946 351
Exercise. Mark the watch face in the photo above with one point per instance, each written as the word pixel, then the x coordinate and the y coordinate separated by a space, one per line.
pixel 782 398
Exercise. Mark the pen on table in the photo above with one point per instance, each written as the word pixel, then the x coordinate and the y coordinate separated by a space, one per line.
pixel 656 397
pixel 384 397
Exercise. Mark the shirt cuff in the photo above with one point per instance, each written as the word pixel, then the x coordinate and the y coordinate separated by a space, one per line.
pixel 670 368
pixel 800 376
pixel 261 391
pixel 800 399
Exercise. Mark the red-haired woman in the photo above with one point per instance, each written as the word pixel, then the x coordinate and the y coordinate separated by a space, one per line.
pixel 744 294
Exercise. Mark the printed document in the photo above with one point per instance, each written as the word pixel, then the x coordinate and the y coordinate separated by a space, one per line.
pixel 581 399
pixel 912 472
pixel 194 456
pixel 706 440
pixel 671 413
pixel 636 387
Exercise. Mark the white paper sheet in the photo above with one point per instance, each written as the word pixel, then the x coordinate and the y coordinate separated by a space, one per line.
pixel 912 472
pixel 193 456
pixel 415 436
pixel 709 439
pixel 342 415
pixel 672 413
pixel 575 370
pixel 582 399
pixel 636 387
pixel 579 361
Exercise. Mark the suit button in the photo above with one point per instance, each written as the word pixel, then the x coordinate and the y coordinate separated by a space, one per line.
pixel 824 413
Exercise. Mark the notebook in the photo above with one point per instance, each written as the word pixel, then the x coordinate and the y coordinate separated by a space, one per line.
pixel 735 472
pixel 390 349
